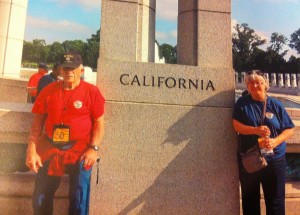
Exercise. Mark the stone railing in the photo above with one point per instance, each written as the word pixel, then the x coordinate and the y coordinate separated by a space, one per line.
pixel 279 83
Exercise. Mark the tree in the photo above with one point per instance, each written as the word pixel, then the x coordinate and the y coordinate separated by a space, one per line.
pixel 56 51
pixel 169 53
pixel 258 58
pixel 35 51
pixel 277 43
pixel 95 37
pixel 244 43
pixel 74 46
pixel 91 54
pixel 293 65
pixel 295 41
pixel 27 51
pixel 91 50
pixel 274 62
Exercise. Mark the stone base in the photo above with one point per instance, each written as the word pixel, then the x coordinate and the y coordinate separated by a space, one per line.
pixel 15 90
pixel 165 159
pixel 16 193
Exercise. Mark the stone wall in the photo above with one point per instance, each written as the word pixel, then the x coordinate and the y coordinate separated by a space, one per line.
pixel 166 124
pixel 13 90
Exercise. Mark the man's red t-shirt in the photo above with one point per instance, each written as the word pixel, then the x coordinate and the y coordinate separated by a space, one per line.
pixel 76 108
pixel 33 82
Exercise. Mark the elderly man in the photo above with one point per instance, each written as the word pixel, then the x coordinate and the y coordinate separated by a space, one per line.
pixel 72 113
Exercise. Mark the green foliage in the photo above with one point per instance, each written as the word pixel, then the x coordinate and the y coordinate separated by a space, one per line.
pixel 38 51
pixel 169 53
pixel 95 37
pixel 274 62
pixel 91 54
pixel 74 46
pixel 56 51
pixel 27 64
pixel 35 51
pixel 244 43
pixel 293 65
pixel 295 41
pixel 277 43
pixel 247 55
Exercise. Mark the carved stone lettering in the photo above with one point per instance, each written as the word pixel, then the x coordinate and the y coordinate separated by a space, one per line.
pixel 168 82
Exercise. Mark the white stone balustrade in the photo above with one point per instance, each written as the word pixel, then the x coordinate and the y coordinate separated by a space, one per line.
pixel 280 80
pixel 293 81
pixel 267 77
pixel 273 80
pixel 287 80
pixel 279 83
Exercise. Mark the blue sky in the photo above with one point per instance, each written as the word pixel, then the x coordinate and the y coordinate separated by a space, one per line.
pixel 60 20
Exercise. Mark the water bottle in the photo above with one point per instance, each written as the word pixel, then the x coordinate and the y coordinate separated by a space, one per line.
pixel 265 152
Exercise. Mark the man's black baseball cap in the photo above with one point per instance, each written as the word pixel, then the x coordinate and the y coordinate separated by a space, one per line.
pixel 43 66
pixel 71 60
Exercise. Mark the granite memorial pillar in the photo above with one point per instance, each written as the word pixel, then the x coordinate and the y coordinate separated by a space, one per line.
pixel 12 28
pixel 169 146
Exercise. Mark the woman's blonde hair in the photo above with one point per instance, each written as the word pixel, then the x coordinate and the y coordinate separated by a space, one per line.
pixel 250 75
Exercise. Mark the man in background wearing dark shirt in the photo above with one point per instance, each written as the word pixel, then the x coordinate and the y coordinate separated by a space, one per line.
pixel 47 79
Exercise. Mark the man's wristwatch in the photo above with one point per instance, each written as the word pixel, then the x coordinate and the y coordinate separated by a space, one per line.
pixel 95 147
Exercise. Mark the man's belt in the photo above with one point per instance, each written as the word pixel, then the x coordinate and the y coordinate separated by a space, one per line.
pixel 61 146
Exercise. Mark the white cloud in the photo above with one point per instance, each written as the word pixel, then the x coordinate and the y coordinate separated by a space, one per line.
pixel 279 1
pixel 169 37
pixel 174 34
pixel 87 4
pixel 55 30
pixel 264 35
pixel 233 24
pixel 290 52
pixel 63 25
pixel 167 9
pixel 161 35
pixel 261 34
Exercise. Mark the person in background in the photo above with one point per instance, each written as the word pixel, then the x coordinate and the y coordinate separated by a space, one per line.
pixel 71 111
pixel 276 129
pixel 34 80
pixel 49 78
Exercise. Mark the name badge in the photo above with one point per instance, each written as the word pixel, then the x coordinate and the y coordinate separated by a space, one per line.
pixel 61 134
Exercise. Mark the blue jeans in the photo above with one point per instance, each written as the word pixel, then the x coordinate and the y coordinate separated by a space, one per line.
pixel 272 179
pixel 46 186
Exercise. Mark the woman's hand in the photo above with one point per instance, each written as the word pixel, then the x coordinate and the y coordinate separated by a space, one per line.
pixel 267 143
pixel 263 131
pixel 270 143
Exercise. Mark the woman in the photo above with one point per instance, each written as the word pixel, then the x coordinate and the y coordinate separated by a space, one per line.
pixel 277 127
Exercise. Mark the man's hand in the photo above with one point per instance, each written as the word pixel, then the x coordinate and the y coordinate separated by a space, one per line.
pixel 33 161
pixel 89 158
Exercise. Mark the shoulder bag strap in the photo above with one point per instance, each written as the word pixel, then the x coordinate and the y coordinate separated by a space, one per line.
pixel 263 115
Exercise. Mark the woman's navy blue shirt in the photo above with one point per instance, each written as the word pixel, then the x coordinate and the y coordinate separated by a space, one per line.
pixel 249 112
